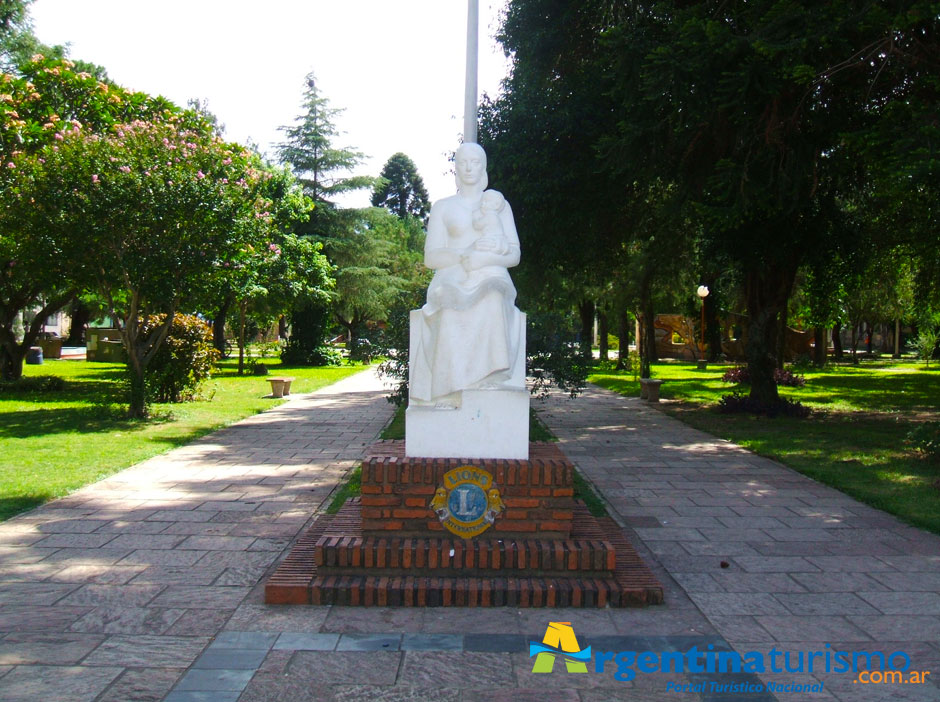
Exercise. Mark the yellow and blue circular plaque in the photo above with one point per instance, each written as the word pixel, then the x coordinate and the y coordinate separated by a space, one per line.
pixel 468 502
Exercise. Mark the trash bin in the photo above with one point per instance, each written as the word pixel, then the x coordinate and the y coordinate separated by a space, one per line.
pixel 34 356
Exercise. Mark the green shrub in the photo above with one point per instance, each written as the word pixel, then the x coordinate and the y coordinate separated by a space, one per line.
pixel 256 367
pixel 925 439
pixel 184 360
pixel 34 384
pixel 926 344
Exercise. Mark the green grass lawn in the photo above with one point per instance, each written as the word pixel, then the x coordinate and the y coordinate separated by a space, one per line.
pixel 52 443
pixel 854 440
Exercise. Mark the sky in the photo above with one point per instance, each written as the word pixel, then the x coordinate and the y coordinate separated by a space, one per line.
pixel 396 68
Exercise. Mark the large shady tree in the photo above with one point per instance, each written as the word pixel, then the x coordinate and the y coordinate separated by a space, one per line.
pixel 149 214
pixel 40 102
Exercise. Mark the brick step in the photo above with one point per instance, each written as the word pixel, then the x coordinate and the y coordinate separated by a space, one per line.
pixel 449 556
pixel 298 580
pixel 408 591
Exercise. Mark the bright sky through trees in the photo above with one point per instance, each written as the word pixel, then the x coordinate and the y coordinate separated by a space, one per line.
pixel 396 67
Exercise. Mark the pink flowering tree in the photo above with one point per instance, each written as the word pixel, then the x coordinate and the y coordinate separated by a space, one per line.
pixel 268 280
pixel 43 101
pixel 150 214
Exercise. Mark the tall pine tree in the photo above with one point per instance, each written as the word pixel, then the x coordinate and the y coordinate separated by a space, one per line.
pixel 320 166
pixel 401 190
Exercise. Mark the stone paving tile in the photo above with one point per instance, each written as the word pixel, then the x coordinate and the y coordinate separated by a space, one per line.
pixel 18 593
pixel 840 582
pixel 904 627
pixel 903 602
pixel 29 683
pixel 450 669
pixel 258 617
pixel 817 628
pixel 740 628
pixel 739 603
pixel 214 680
pixel 350 667
pixel 195 596
pixel 76 541
pixel 143 651
pixel 142 685
pixel 834 603
pixel 171 557
pixel 46 648
pixel 97 574
pixel 200 622
pixel 112 595
pixel 292 641
pixel 475 620
pixel 377 619
pixel 369 642
pixel 128 620
pixel 39 618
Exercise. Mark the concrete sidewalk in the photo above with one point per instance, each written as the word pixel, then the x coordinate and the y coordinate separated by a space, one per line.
pixel 147 585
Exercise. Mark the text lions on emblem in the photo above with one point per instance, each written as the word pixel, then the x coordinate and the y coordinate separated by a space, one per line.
pixel 468 503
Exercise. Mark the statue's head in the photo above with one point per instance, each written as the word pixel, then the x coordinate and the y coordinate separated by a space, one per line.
pixel 470 164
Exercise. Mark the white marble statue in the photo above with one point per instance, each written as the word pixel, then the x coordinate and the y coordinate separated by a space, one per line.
pixel 469 335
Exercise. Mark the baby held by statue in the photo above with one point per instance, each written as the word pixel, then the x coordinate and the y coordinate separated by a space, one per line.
pixel 486 220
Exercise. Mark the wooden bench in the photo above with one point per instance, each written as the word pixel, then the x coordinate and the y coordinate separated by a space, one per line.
pixel 280 386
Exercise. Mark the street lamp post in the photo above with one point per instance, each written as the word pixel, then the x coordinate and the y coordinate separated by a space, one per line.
pixel 702 292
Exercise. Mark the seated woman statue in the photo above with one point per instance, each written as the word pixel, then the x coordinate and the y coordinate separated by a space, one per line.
pixel 469 335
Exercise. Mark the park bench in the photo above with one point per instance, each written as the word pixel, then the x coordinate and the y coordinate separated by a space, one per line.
pixel 649 389
pixel 280 386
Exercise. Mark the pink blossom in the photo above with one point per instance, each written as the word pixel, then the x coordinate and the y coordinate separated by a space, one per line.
pixel 125 169
pixel 226 162
pixel 94 177
pixel 58 136
pixel 169 182
pixel 11 165
pixel 200 175
pixel 120 134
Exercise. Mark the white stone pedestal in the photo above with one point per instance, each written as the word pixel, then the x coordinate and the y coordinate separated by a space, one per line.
pixel 488 424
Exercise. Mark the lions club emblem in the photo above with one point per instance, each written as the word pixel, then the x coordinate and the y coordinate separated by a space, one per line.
pixel 468 502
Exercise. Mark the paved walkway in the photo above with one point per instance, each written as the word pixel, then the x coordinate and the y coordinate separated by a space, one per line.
pixel 147 585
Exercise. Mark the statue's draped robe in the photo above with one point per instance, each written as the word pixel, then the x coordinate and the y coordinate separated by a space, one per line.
pixel 469 336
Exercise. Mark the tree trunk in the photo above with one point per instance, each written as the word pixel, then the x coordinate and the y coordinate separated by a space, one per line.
pixel 12 353
pixel 854 343
pixel 837 349
pixel 586 309
pixel 218 326
pixel 768 290
pixel 712 325
pixel 138 401
pixel 242 313
pixel 602 331
pixel 820 346
pixel 282 327
pixel 11 362
pixel 782 326
pixel 623 332
pixel 80 315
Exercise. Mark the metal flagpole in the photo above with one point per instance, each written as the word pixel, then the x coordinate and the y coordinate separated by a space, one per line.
pixel 470 97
